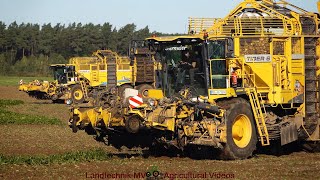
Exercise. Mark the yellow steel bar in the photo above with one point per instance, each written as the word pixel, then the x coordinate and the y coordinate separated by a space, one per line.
pixel 286 3
pixel 262 27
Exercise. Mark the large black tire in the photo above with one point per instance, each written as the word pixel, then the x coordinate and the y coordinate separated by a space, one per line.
pixel 143 89
pixel 77 94
pixel 74 127
pixel 133 124
pixel 239 145
pixel 313 147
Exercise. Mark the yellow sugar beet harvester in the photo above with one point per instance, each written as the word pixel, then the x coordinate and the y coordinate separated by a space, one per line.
pixel 256 80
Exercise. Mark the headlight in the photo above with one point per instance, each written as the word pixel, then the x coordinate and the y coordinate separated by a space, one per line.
pixel 69 101
pixel 151 102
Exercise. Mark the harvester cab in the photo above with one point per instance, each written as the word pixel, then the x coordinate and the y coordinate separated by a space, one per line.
pixel 182 62
pixel 63 73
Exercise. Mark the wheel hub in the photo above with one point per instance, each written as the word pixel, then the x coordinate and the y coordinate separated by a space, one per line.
pixel 242 131
pixel 145 93
pixel 78 94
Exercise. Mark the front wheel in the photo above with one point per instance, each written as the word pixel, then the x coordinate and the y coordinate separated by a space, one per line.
pixel 77 94
pixel 241 131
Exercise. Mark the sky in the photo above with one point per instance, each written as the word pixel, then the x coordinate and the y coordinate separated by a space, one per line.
pixel 167 16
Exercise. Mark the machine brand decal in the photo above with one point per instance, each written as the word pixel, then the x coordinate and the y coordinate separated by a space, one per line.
pixel 180 48
pixel 135 101
pixel 258 58
pixel 218 92
pixel 84 71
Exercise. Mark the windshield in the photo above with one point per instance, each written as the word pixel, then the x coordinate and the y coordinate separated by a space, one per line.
pixel 63 74
pixel 182 68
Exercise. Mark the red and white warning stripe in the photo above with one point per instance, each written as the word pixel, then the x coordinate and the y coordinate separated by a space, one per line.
pixel 135 101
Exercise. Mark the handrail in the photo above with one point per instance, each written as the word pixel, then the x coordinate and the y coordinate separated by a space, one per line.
pixel 267 21
pixel 198 25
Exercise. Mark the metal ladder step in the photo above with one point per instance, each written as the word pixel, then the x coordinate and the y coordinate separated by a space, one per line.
pixel 84 88
pixel 259 116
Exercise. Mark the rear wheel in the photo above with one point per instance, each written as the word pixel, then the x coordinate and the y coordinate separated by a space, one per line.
pixel 241 131
pixel 311 146
pixel 77 94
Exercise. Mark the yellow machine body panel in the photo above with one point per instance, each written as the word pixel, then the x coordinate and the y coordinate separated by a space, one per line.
pixel 275 71
pixel 124 71
pixel 111 69
pixel 272 56
pixel 95 69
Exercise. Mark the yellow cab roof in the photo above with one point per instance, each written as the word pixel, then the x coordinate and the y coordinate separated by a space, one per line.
pixel 183 39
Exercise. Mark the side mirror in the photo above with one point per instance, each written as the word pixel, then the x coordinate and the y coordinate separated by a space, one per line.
pixel 131 62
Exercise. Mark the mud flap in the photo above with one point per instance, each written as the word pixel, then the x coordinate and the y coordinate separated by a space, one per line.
pixel 288 133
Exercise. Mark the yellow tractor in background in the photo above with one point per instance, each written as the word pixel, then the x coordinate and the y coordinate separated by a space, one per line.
pixel 114 71
pixel 38 89
pixel 250 77
pixel 63 73
pixel 82 77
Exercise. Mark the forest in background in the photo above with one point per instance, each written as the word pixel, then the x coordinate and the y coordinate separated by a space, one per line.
pixel 28 49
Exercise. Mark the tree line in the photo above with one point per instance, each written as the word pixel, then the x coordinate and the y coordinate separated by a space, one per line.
pixel 28 49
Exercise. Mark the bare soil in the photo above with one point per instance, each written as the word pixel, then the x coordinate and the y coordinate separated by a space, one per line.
pixel 43 140
pixel 52 139
pixel 40 139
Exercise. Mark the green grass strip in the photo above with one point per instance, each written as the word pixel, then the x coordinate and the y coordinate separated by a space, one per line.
pixel 70 157
pixel 14 80
pixel 8 117
pixel 8 102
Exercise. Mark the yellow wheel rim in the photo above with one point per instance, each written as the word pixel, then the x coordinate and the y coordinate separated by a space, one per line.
pixel 242 131
pixel 145 93
pixel 78 94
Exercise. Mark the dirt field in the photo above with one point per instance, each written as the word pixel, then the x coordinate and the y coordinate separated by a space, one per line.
pixel 35 140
